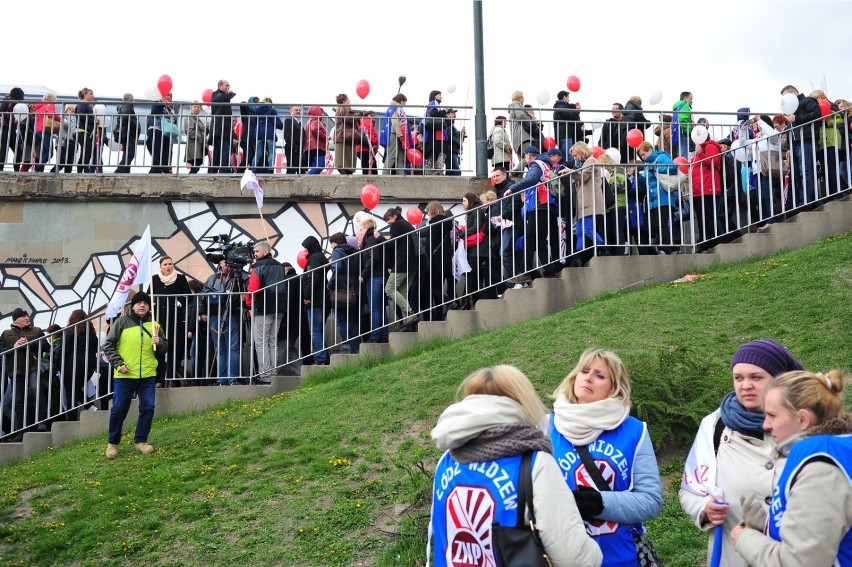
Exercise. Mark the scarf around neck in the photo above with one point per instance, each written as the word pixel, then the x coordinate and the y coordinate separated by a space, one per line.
pixel 502 441
pixel 170 279
pixel 583 423
pixel 739 419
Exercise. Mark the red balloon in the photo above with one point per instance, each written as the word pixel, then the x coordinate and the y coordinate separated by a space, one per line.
pixel 635 137
pixel 549 143
pixel 207 96
pixel 370 196
pixel 302 259
pixel 824 107
pixel 238 129
pixel 597 151
pixel 683 162
pixel 164 85
pixel 415 156
pixel 573 84
pixel 362 89
pixel 414 215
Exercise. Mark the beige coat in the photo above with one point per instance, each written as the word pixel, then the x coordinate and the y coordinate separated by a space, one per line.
pixel 589 189
pixel 196 136
pixel 741 469
pixel 818 514
pixel 520 137
pixel 502 145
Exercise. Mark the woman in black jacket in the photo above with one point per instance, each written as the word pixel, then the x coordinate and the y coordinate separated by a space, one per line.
pixel 159 145
pixel 79 359
pixel 171 297
pixel 86 123
pixel 477 242
pixel 315 296
pixel 439 245
pixel 373 272
pixel 403 264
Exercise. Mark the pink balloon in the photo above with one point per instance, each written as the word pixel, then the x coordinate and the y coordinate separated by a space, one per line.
pixel 164 85
pixel 362 89
pixel 635 137
pixel 414 215
pixel 573 84
pixel 370 196
pixel 207 96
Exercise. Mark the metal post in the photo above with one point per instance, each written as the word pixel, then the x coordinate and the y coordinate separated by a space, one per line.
pixel 480 127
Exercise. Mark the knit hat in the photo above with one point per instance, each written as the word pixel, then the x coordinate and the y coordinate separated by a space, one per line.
pixel 18 313
pixel 140 296
pixel 767 354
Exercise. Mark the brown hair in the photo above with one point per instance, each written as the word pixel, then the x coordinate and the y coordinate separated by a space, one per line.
pixel 393 212
pixel 164 258
pixel 644 147
pixel 337 238
pixel 434 208
pixel 341 97
pixel 472 200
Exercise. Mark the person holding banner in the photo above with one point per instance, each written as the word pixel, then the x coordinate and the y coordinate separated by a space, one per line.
pixel 132 346
pixel 731 457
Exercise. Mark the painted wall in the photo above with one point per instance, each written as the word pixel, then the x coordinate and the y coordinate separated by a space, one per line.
pixel 58 256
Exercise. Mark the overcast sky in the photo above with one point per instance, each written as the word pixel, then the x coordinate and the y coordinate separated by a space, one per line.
pixel 728 53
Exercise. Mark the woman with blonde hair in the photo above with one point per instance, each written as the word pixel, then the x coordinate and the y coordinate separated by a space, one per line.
pixel 373 273
pixel 605 455
pixel 521 127
pixel 485 435
pixel 811 510
pixel 590 208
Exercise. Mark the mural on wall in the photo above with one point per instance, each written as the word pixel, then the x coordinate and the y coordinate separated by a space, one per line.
pixel 197 226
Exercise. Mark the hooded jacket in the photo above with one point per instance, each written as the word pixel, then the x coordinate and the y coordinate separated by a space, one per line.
pixel 559 524
pixel 313 280
pixel 658 197
pixel 316 135
pixel 707 170
pixel 566 117
pixel 267 121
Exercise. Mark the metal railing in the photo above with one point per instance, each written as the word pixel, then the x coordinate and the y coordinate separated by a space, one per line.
pixel 378 284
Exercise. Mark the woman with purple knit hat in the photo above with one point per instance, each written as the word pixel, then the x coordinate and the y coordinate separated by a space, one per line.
pixel 732 456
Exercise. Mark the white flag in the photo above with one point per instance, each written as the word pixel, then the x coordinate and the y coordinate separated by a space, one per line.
pixel 250 181
pixel 138 271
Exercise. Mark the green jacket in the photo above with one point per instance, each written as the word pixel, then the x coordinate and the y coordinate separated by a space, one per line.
pixel 684 115
pixel 129 342
pixel 830 132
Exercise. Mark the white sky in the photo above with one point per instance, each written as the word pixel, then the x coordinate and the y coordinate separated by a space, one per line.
pixel 728 53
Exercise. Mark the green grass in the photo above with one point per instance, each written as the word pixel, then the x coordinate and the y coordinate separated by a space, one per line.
pixel 338 472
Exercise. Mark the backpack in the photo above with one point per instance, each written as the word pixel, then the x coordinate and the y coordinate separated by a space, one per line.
pixel 489 146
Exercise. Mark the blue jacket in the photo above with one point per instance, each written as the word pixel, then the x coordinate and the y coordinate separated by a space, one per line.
pixel 533 178
pixel 267 121
pixel 658 197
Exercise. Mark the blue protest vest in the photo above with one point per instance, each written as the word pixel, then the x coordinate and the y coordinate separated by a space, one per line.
pixel 466 499
pixel 838 448
pixel 613 452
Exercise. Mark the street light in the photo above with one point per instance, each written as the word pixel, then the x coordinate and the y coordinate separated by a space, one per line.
pixel 401 82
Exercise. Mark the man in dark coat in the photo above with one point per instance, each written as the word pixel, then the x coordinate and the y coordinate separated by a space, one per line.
pixel 220 134
pixel 294 137
pixel 315 296
pixel 802 149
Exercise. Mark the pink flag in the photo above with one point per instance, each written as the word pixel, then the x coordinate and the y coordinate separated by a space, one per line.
pixel 138 271
pixel 250 181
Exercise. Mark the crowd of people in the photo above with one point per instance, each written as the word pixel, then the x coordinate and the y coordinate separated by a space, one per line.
pixel 771 467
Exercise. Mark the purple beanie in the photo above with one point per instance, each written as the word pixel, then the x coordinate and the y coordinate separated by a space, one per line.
pixel 768 355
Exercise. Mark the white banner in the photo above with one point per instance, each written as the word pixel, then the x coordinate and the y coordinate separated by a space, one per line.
pixel 138 271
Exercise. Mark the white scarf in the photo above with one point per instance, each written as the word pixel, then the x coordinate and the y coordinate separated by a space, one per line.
pixel 583 423
pixel 170 279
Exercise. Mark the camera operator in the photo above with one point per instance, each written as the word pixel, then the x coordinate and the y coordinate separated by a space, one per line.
pixel 268 306
pixel 225 318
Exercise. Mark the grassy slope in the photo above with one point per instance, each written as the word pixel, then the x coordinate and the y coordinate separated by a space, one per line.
pixel 313 477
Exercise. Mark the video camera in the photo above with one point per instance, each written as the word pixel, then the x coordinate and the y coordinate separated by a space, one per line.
pixel 236 254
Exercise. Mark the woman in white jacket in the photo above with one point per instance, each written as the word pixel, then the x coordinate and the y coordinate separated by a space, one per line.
pixel 731 457
pixel 476 481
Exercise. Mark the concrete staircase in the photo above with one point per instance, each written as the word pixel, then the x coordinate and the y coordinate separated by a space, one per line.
pixel 544 297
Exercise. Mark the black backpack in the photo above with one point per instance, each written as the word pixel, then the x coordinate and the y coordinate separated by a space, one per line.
pixel 489 146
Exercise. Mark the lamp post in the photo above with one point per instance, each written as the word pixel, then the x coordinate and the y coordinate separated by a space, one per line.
pixel 401 82
pixel 480 127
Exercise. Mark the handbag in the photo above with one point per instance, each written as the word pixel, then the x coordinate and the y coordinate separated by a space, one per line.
pixel 50 125
pixel 646 555
pixel 521 545
pixel 343 296
pixel 169 128
pixel 770 165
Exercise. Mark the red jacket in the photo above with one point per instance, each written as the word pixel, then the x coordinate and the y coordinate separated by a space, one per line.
pixel 316 137
pixel 707 170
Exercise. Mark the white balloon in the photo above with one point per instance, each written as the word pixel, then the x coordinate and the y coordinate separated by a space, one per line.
pixel 99 109
pixel 739 151
pixel 655 97
pixel 543 97
pixel 153 93
pixel 789 103
pixel 451 88
pixel 699 134
pixel 20 110
pixel 614 154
